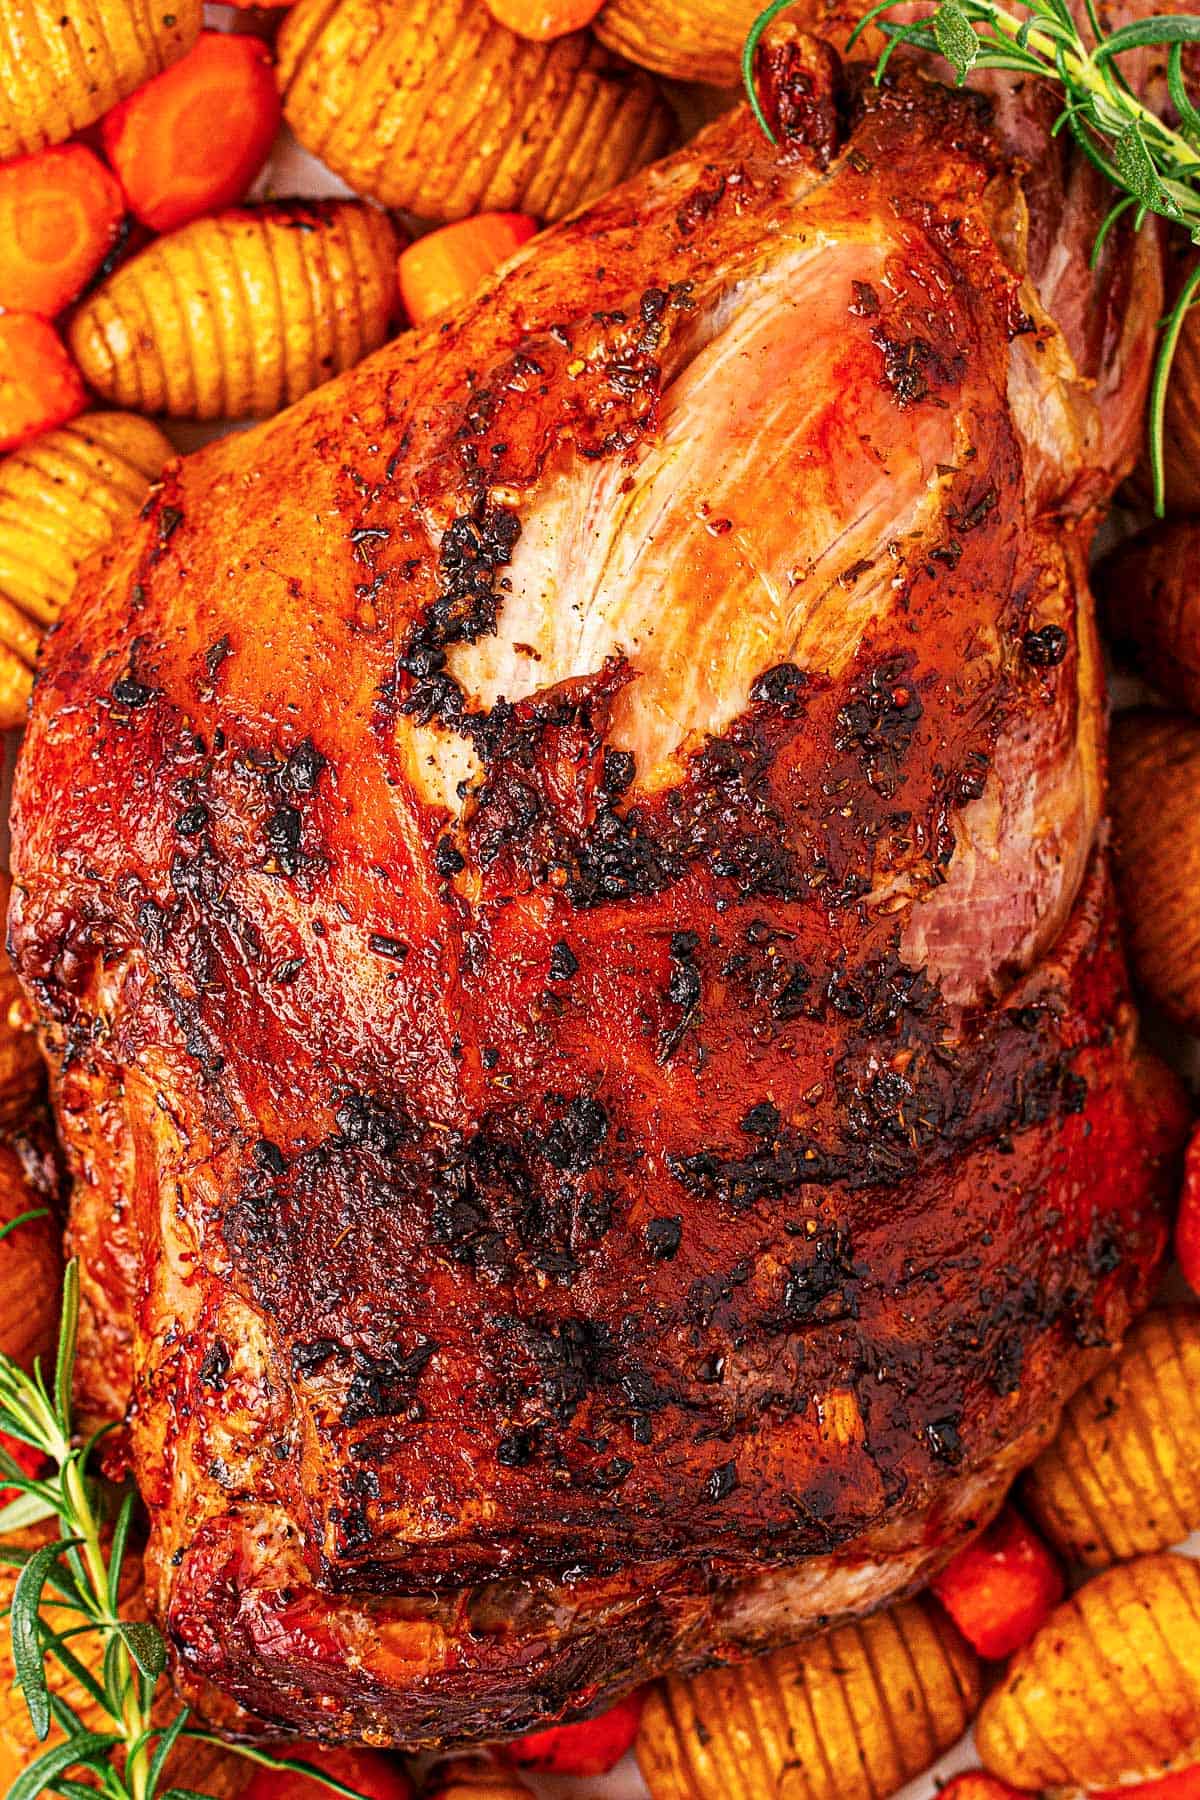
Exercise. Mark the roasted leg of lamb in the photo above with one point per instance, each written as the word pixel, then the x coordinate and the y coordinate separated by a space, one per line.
pixel 563 884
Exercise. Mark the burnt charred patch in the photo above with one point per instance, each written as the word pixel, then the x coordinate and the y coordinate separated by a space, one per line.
pixel 879 719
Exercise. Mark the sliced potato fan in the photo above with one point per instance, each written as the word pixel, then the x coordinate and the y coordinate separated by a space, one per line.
pixel 433 106
pixel 238 315
pixel 62 497
pixel 1123 1474
pixel 65 62
pixel 1109 1688
pixel 691 40
pixel 852 1715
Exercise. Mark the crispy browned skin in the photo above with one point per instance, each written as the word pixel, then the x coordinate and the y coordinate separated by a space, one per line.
pixel 652 1197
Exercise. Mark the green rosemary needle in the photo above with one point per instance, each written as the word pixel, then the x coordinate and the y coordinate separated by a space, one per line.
pixel 1154 166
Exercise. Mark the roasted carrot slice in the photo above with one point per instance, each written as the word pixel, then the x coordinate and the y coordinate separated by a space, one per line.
pixel 193 139
pixel 39 384
pixel 60 212
pixel 1002 1587
pixel 542 20
pixel 446 266
pixel 588 1747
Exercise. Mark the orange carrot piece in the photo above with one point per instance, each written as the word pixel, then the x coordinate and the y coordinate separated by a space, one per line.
pixel 1002 1587
pixel 1184 1784
pixel 39 384
pixel 444 267
pixel 60 212
pixel 588 1747
pixel 977 1784
pixel 193 139
pixel 1187 1226
pixel 542 20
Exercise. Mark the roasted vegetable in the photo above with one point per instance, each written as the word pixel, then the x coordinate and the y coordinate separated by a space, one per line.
pixel 369 1772
pixel 1001 1587
pixel 435 107
pixel 1123 1474
pixel 1149 589
pixel 30 1265
pixel 1154 781
pixel 160 141
pixel 445 267
pixel 1181 423
pixel 61 497
pixel 39 384
pixel 61 67
pixel 474 1775
pixel 848 1716
pixel 588 1747
pixel 542 20
pixel 977 1784
pixel 239 315
pixel 1109 1689
pixel 692 40
pixel 1187 1225
pixel 60 214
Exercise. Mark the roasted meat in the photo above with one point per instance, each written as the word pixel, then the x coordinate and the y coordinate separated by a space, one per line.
pixel 563 884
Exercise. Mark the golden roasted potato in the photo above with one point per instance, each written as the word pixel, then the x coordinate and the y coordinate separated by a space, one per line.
pixel 851 1715
pixel 1149 589
pixel 1123 1474
pixel 691 40
pixel 474 1775
pixel 433 106
pixel 62 66
pixel 1108 1689
pixel 238 315
pixel 1154 780
pixel 61 497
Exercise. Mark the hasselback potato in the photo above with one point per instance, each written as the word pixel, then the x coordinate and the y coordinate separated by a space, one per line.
pixel 1123 1474
pixel 433 106
pixel 1154 780
pixel 691 40
pixel 851 1715
pixel 237 315
pixel 62 66
pixel 1149 589
pixel 1108 1689
pixel 61 497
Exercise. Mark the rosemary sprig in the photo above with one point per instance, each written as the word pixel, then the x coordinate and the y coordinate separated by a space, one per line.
pixel 125 1756
pixel 1154 166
